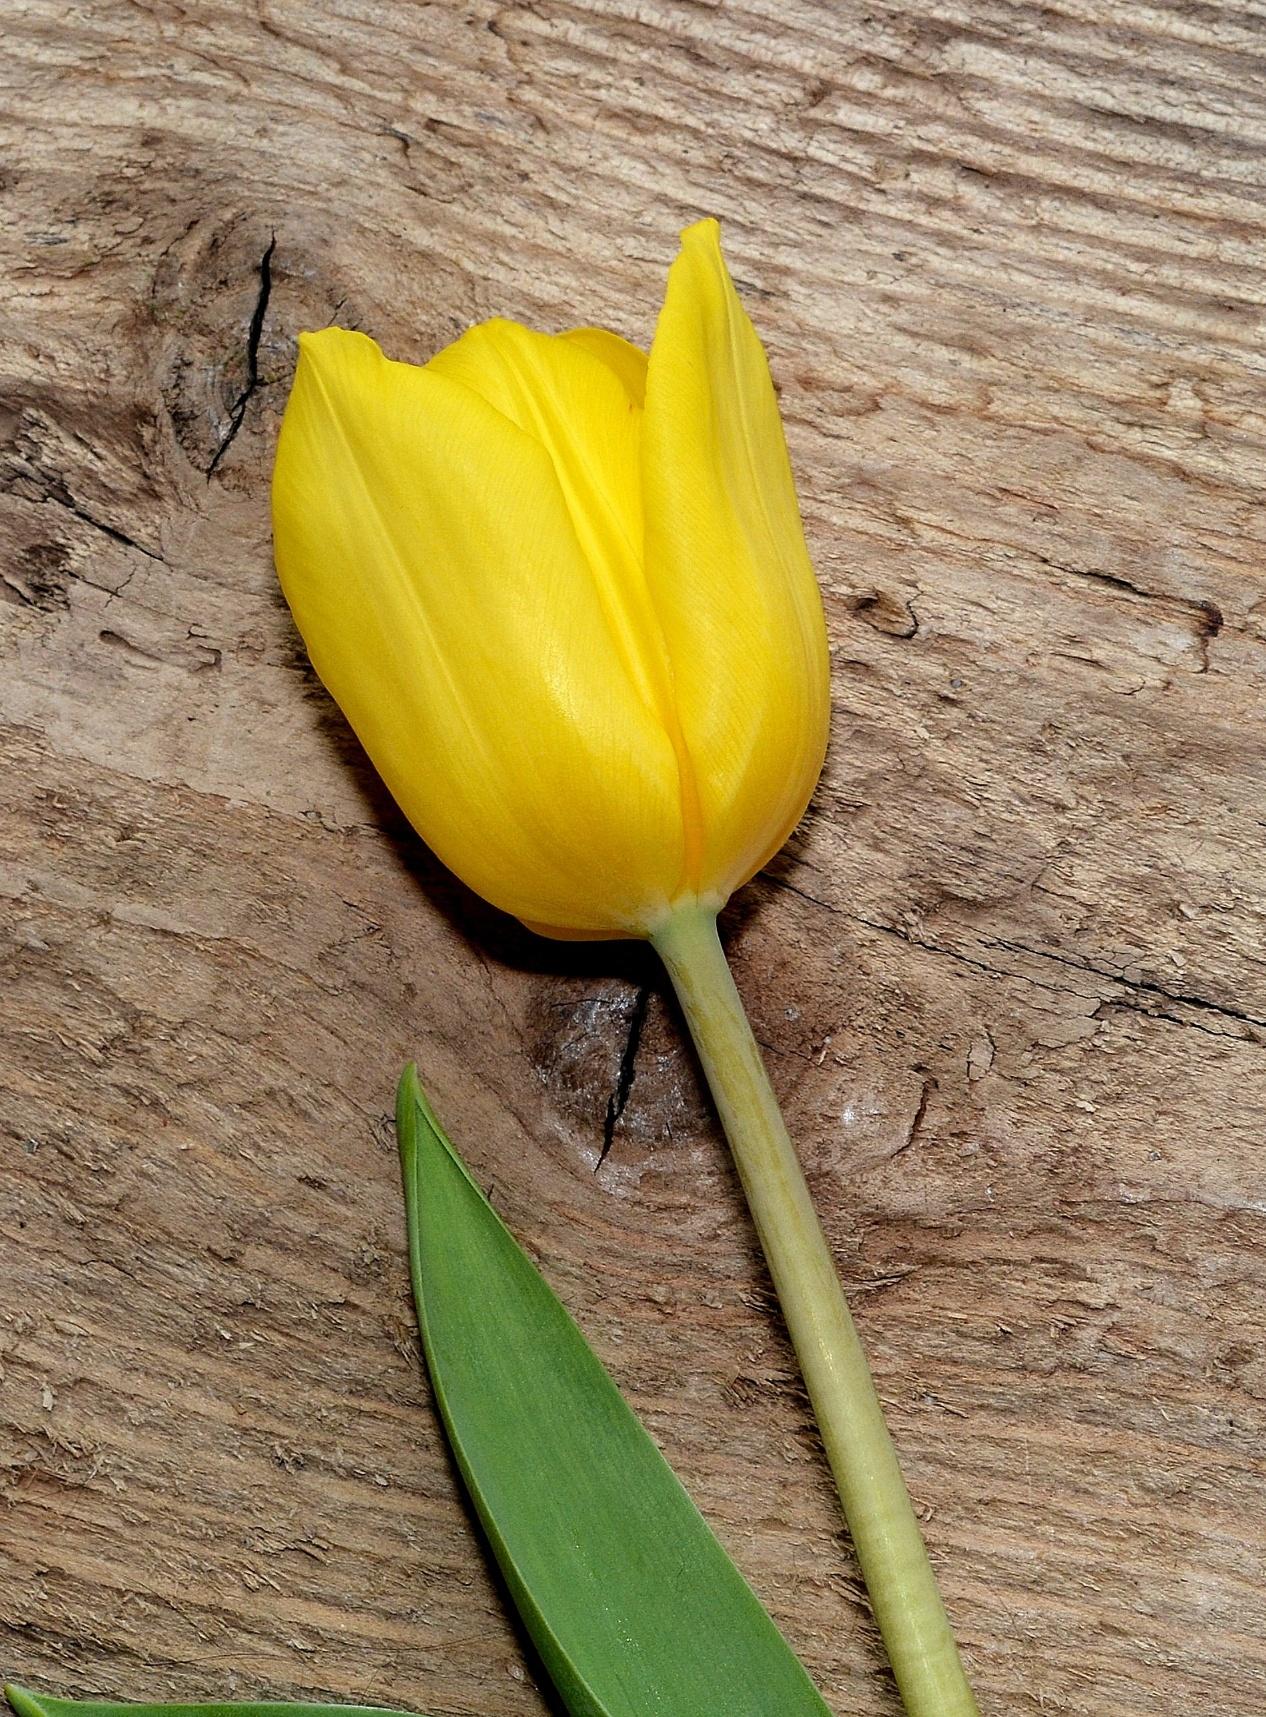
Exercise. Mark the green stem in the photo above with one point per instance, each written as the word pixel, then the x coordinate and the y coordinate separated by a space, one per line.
pixel 876 1503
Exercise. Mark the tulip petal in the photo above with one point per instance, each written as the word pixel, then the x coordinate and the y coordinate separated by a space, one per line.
pixel 728 569
pixel 578 409
pixel 428 554
pixel 627 361
pixel 575 395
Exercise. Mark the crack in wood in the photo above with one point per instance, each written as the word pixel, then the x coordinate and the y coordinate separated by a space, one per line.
pixel 53 491
pixel 919 1116
pixel 617 1102
pixel 1206 615
pixel 1134 987
pixel 254 332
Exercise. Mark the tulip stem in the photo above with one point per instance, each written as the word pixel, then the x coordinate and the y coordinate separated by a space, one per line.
pixel 876 1504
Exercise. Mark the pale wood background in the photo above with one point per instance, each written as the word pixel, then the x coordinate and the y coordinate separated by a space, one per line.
pixel 1008 260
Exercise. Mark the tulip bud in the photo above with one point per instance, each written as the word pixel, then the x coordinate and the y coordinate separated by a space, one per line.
pixel 560 590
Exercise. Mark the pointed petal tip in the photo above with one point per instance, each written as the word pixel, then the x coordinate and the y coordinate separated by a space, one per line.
pixel 310 340
pixel 626 361
pixel 703 232
pixel 317 345
pixel 497 328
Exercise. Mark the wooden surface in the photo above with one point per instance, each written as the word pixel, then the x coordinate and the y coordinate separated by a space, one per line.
pixel 1008 262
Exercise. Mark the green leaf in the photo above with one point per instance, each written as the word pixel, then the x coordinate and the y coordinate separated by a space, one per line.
pixel 28 1704
pixel 633 1605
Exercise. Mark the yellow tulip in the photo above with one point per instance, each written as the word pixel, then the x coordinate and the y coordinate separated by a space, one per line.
pixel 561 592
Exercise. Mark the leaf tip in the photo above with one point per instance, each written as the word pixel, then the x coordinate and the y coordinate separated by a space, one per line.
pixel 408 1098
pixel 409 1087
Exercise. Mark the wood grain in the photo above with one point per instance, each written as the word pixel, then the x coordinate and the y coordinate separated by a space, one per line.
pixel 1008 260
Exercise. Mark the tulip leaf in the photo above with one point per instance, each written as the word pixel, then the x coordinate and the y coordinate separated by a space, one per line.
pixel 28 1704
pixel 633 1605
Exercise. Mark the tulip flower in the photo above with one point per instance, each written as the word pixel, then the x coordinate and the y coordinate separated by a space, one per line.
pixel 560 589
pixel 563 597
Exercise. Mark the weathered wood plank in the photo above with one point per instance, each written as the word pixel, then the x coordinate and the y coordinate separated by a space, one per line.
pixel 1008 260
